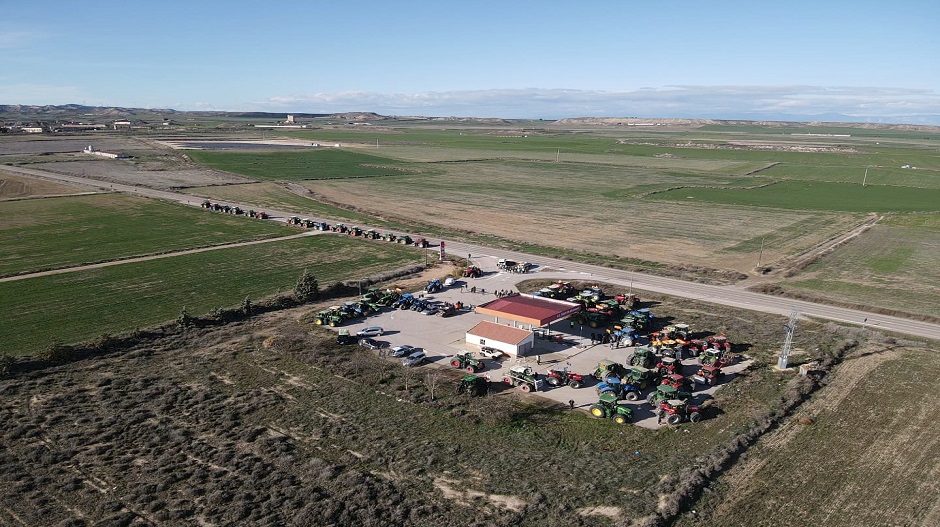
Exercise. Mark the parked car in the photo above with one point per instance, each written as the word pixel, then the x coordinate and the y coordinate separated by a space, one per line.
pixel 344 337
pixel 491 353
pixel 431 309
pixel 449 281
pixel 371 331
pixel 403 351
pixel 372 344
pixel 415 359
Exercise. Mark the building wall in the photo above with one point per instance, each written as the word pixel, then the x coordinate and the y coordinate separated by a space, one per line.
pixel 515 350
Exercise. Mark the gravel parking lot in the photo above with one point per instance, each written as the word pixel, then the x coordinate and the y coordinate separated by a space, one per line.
pixel 441 338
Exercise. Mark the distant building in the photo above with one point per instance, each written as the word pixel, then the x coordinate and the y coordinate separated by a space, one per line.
pixel 32 129
pixel 122 125
pixel 290 119
pixel 110 155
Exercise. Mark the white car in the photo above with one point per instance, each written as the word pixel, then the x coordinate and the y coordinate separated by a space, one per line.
pixel 449 281
pixel 403 350
pixel 414 359
pixel 371 331
pixel 491 353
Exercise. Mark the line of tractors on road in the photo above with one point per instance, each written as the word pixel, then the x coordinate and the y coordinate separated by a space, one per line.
pixel 370 234
pixel 237 211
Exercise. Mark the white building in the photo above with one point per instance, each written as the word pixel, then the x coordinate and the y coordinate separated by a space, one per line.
pixel 509 340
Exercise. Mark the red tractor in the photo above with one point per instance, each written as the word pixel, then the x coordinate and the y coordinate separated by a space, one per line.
pixel 668 366
pixel 710 375
pixel 678 382
pixel 473 272
pixel 561 376
pixel 421 242
pixel 676 411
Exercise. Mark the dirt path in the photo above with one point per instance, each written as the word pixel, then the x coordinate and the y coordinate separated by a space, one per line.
pixel 155 257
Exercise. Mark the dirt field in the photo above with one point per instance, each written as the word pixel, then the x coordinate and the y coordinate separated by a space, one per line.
pixel 846 458
pixel 20 187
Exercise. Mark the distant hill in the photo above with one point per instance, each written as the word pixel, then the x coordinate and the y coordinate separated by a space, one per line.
pixel 78 111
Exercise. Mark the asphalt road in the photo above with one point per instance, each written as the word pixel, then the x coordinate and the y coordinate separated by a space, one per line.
pixel 724 295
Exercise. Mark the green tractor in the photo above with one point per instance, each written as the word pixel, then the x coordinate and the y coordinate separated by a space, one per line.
pixel 594 319
pixel 523 377
pixel 608 407
pixel 330 317
pixel 466 361
pixel 388 298
pixel 665 392
pixel 405 240
pixel 640 377
pixel 389 237
pixel 344 337
pixel 607 367
pixel 371 234
pixel 473 385
pixel 643 357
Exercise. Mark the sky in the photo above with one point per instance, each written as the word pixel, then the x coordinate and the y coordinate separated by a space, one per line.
pixel 837 60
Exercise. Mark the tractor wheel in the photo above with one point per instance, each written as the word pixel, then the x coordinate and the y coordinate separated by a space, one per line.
pixel 649 400
pixel 593 323
pixel 597 411
pixel 553 381
pixel 318 322
pixel 674 419
pixel 332 324
pixel 507 380
pixel 695 417
pixel 455 364
pixel 471 369
pixel 632 396
pixel 526 387
pixel 620 419
pixel 575 384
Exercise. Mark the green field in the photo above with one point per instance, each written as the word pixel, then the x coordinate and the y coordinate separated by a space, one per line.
pixel 72 307
pixel 324 163
pixel 816 195
pixel 893 265
pixel 51 233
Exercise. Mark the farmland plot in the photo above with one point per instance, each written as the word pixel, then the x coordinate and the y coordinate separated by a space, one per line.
pixel 893 265
pixel 89 303
pixel 15 186
pixel 67 231
pixel 847 457
pixel 589 208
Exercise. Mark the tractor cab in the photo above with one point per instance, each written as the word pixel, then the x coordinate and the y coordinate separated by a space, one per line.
pixel 473 385
pixel 344 337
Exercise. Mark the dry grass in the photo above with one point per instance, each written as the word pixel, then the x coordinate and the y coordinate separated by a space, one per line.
pixel 12 186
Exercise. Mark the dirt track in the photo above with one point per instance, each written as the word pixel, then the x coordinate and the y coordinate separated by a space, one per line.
pixel 725 295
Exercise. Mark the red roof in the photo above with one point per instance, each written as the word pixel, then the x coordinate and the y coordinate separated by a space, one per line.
pixel 529 309
pixel 499 332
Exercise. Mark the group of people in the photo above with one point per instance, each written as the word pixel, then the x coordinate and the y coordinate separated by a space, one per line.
pixel 505 292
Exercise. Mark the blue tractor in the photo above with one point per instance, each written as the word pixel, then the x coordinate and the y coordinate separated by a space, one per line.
pixel 622 388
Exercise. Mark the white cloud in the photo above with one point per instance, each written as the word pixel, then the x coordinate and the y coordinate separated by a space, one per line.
pixel 718 102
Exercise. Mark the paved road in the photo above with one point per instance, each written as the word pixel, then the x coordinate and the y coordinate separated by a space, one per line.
pixel 724 295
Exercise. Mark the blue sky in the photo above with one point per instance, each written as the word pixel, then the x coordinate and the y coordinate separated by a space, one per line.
pixel 862 60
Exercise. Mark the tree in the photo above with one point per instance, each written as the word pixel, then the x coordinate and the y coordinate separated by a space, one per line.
pixel 185 320
pixel 431 380
pixel 247 306
pixel 307 287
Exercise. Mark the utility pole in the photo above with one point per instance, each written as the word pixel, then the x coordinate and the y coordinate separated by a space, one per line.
pixel 761 253
pixel 864 179
pixel 790 329
pixel 557 154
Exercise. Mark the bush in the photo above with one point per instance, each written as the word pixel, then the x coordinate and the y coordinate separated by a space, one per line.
pixel 307 288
